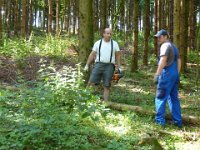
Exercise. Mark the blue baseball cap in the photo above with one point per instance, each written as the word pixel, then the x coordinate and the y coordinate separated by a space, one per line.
pixel 161 32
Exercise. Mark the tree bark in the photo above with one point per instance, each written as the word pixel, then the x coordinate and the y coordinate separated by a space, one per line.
pixel 184 34
pixel 85 32
pixel 50 14
pixel 146 30
pixel 124 107
pixel 156 27
pixel 177 23
pixel 24 13
pixel 171 23
pixel 57 18
pixel 30 16
pixel 134 64
pixel 103 15
pixel 192 25
pixel 1 27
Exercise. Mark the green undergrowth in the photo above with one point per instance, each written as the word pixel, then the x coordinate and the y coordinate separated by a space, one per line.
pixel 46 45
pixel 56 111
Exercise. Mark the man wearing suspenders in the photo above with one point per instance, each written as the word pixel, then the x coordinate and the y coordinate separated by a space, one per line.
pixel 105 52
pixel 167 79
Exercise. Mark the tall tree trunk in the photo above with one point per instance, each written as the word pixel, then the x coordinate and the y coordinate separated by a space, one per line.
pixel 69 17
pixel 192 24
pixel 35 14
pixel 156 26
pixel 30 16
pixel 134 65
pixel 171 23
pixel 146 30
pixel 45 16
pixel 23 23
pixel 183 34
pixel 27 17
pixel 85 32
pixel 75 14
pixel 103 17
pixel 8 17
pixel 96 15
pixel 66 25
pixel 177 23
pixel 160 14
pixel 50 14
pixel 1 27
pixel 16 17
pixel 130 19
pixel 122 17
pixel 163 14
pixel 57 18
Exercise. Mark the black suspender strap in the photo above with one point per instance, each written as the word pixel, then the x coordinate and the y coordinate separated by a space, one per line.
pixel 111 50
pixel 100 49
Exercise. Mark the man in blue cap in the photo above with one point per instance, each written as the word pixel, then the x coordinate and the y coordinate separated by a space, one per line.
pixel 167 79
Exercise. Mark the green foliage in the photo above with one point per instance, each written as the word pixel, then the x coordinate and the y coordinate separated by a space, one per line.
pixel 48 114
pixel 193 57
pixel 17 48
pixel 36 45
pixel 57 112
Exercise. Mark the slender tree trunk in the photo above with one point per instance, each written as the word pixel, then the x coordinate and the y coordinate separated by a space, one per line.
pixel 8 17
pixel 130 19
pixel 35 13
pixel 16 17
pixel 122 17
pixel 27 17
pixel 96 15
pixel 134 65
pixel 68 17
pixel 1 27
pixel 171 23
pixel 192 24
pixel 23 23
pixel 160 14
pixel 50 14
pixel 103 17
pixel 66 4
pixel 75 10
pixel 177 23
pixel 30 16
pixel 184 34
pixel 57 18
pixel 156 26
pixel 146 30
pixel 45 15
pixel 163 15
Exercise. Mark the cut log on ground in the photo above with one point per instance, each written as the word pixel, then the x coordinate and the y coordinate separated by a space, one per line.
pixel 123 107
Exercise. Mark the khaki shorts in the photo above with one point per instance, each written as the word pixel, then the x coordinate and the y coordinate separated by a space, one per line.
pixel 102 71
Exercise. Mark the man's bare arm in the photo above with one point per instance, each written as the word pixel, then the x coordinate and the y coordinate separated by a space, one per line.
pixel 161 65
pixel 118 58
pixel 91 57
pixel 179 65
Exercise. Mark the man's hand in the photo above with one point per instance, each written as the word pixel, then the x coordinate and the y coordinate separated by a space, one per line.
pixel 86 67
pixel 155 80
pixel 120 69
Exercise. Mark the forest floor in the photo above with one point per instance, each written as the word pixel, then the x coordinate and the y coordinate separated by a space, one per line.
pixel 135 89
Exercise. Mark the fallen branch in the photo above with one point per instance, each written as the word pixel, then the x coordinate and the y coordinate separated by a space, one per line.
pixel 123 107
